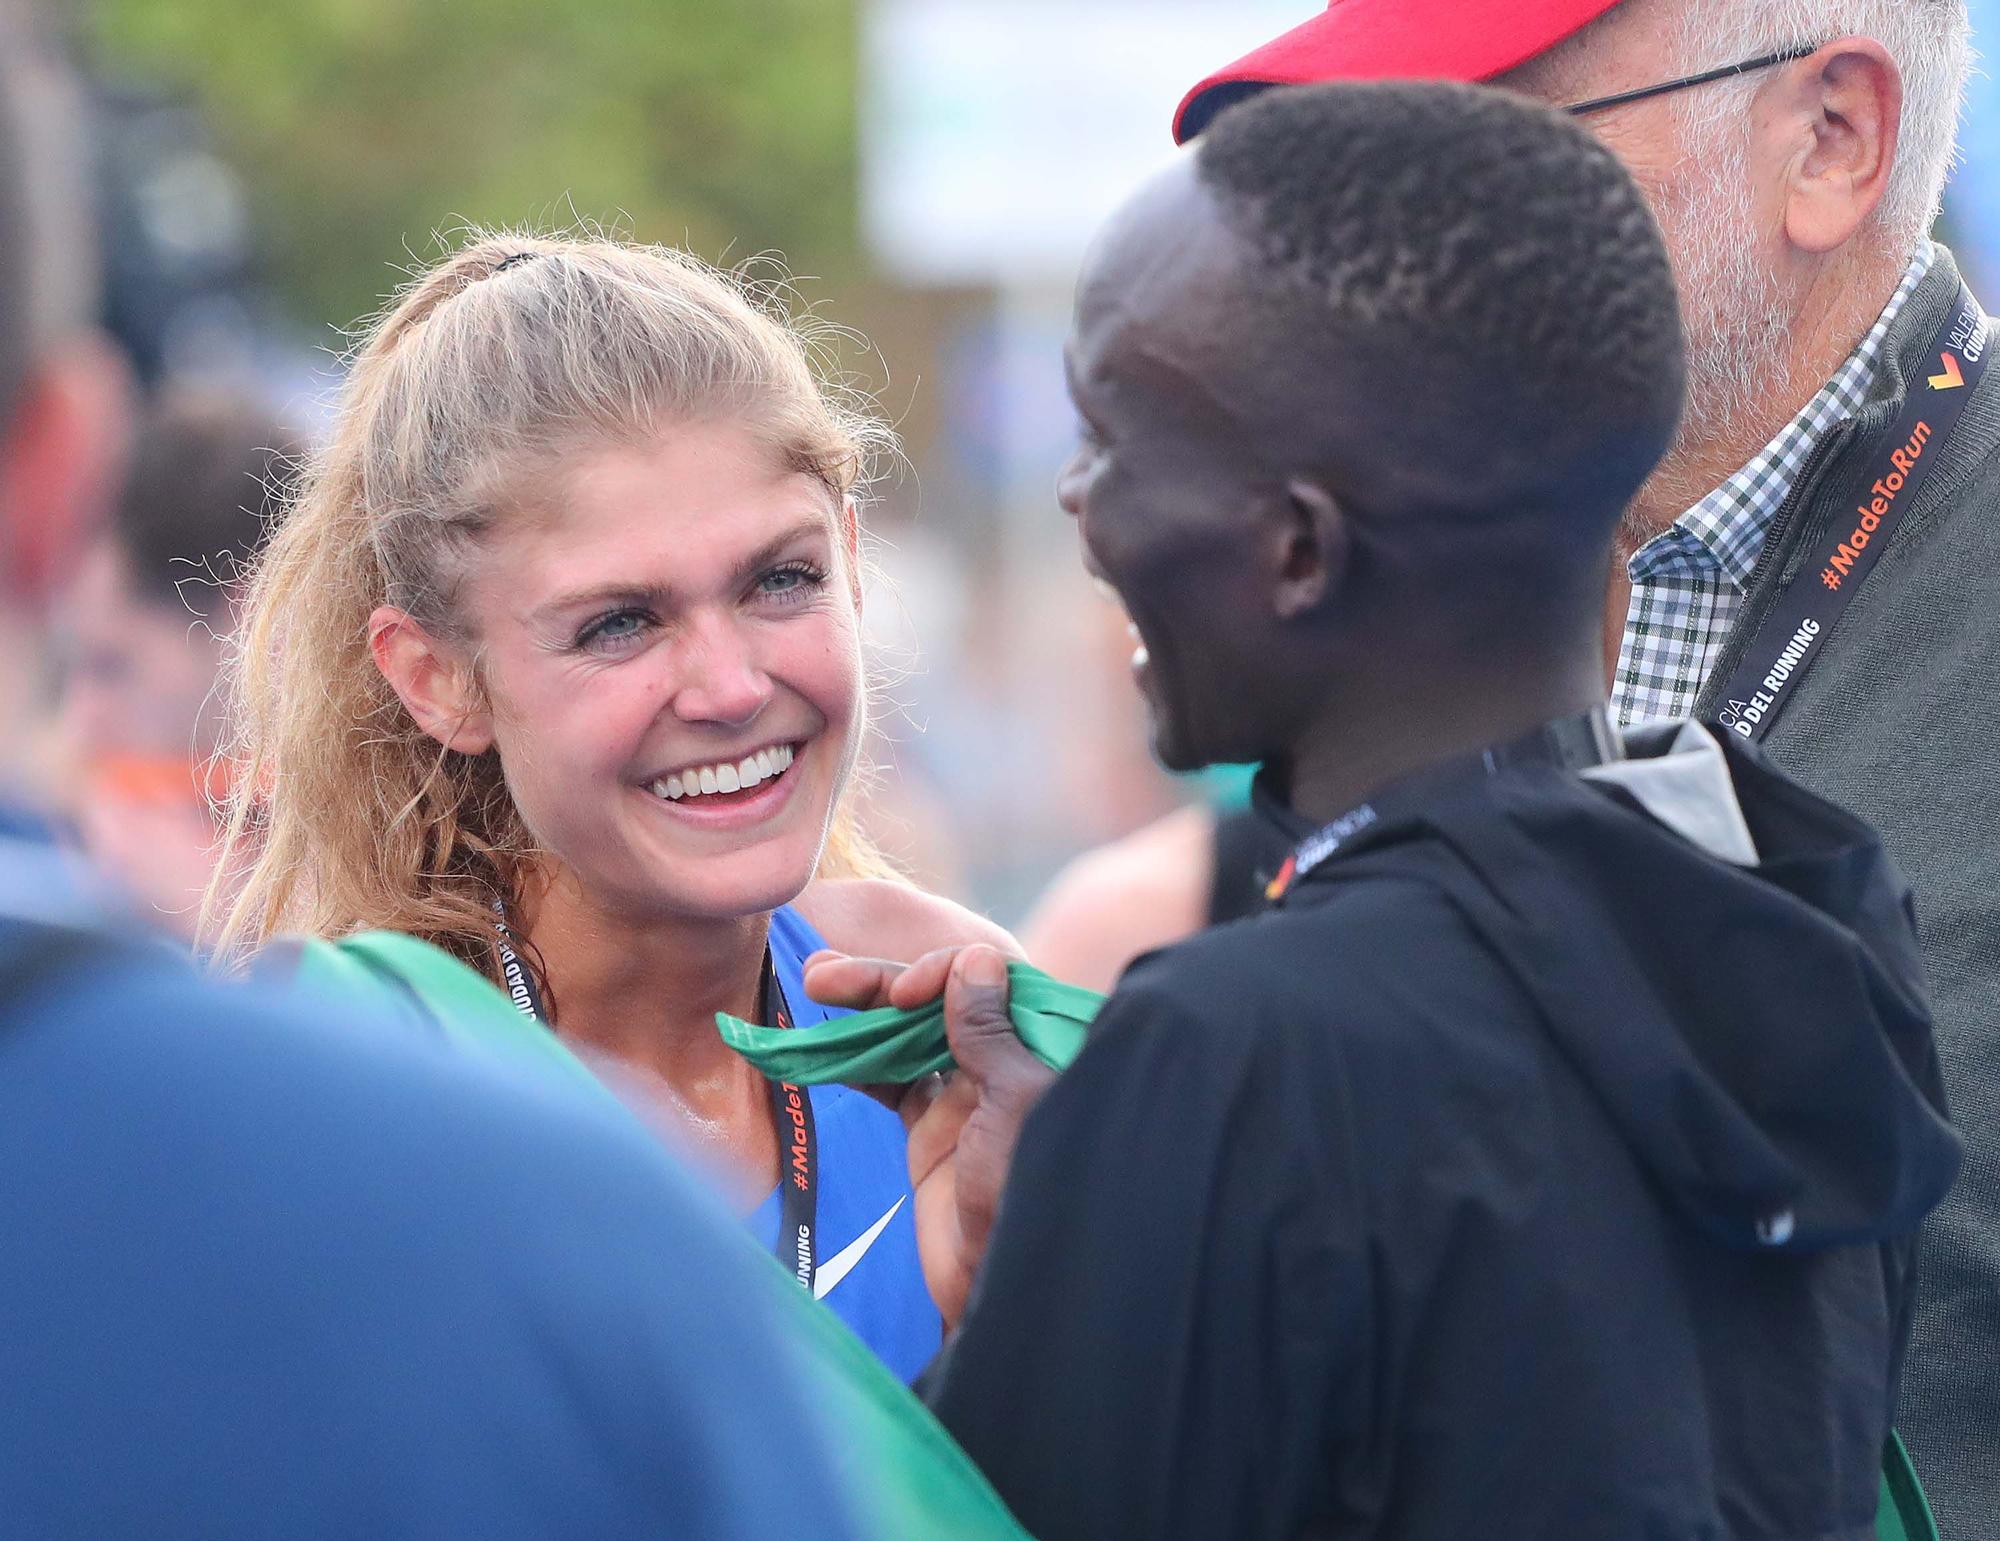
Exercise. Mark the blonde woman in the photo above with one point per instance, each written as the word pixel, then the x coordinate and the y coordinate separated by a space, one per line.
pixel 555 666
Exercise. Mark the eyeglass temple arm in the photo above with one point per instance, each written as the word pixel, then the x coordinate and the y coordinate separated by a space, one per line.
pixel 1644 93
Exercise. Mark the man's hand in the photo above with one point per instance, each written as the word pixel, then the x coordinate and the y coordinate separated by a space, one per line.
pixel 961 1128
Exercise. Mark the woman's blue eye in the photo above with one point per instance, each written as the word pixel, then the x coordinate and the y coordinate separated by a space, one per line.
pixel 621 626
pixel 794 581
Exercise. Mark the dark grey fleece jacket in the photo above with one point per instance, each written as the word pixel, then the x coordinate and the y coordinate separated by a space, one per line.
pixel 1900 721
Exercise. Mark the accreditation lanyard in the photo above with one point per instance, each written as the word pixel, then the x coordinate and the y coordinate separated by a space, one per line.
pixel 1568 743
pixel 798 1140
pixel 1792 636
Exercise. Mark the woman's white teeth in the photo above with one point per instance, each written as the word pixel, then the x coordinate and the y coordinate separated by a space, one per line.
pixel 739 776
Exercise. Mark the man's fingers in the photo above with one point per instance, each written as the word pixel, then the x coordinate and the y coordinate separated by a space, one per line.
pixel 947 1102
pixel 981 1031
pixel 923 981
pixel 910 1099
pixel 834 979
pixel 912 1102
pixel 975 1008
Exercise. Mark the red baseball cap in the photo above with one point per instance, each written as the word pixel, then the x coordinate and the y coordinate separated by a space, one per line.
pixel 1393 39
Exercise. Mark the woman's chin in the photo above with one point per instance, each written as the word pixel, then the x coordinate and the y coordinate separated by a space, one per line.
pixel 726 887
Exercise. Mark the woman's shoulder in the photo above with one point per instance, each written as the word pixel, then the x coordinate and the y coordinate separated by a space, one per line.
pixel 405 979
pixel 880 918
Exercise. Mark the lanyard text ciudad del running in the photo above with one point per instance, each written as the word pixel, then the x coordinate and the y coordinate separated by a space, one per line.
pixel 1792 636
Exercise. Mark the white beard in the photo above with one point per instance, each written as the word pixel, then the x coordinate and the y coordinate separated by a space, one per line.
pixel 1733 315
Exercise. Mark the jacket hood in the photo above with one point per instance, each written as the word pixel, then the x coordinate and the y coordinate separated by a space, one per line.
pixel 1731 964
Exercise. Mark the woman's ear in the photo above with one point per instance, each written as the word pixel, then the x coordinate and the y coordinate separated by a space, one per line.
pixel 1313 545
pixel 433 680
pixel 850 540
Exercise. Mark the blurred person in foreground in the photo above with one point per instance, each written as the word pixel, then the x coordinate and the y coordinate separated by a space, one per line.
pixel 1451 1198
pixel 139 636
pixel 271 1273
pixel 1838 465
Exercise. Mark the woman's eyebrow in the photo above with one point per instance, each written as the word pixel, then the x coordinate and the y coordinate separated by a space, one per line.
pixel 660 596
pixel 767 553
pixel 650 595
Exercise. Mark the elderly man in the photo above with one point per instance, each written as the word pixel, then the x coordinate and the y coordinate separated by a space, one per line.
pixel 1816 564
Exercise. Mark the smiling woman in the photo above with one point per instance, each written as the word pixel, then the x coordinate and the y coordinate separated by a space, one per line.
pixel 555 666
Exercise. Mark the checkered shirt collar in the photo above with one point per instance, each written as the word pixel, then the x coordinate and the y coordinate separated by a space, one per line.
pixel 1726 529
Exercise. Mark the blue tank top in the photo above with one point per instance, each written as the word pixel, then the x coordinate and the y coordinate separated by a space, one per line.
pixel 867 1268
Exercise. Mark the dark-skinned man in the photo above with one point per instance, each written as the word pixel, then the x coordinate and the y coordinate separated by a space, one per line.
pixel 1467 1193
pixel 1796 194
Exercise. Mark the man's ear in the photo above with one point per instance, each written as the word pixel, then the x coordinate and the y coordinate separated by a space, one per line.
pixel 61 454
pixel 1849 102
pixel 1313 549
pixel 433 680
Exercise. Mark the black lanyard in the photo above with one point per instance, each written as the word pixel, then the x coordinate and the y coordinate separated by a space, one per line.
pixel 1793 635
pixel 1568 743
pixel 798 1140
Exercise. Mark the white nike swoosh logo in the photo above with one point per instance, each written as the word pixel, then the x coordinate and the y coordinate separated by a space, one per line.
pixel 841 1264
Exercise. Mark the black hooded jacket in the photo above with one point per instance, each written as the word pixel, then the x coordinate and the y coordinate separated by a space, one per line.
pixel 1546 1166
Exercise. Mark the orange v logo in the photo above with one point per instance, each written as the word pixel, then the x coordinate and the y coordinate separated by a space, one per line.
pixel 1951 379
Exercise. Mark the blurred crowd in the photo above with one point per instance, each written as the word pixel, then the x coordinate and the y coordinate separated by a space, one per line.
pixel 1007 738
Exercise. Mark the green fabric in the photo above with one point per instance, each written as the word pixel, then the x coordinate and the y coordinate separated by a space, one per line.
pixel 1905 1514
pixel 906 1473
pixel 1224 788
pixel 892 1047
pixel 407 978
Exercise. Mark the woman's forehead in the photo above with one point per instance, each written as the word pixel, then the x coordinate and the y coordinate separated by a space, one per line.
pixel 689 507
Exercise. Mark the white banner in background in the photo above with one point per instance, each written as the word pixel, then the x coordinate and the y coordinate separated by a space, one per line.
pixel 997 134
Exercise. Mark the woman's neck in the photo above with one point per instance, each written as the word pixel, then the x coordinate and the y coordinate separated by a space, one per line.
pixel 645 991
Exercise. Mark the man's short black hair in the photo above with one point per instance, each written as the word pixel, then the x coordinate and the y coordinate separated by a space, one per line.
pixel 210 475
pixel 1465 220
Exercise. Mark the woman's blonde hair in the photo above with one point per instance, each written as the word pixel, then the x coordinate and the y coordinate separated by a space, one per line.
pixel 345 815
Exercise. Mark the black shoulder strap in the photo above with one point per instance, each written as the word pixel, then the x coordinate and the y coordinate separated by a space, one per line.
pixel 1248 853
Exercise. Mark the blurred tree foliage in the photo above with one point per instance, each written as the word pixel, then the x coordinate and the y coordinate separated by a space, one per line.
pixel 364 126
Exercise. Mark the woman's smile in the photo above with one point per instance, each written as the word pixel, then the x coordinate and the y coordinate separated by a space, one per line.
pixel 731 793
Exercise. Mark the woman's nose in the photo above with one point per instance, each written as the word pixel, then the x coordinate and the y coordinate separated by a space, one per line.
pixel 720 678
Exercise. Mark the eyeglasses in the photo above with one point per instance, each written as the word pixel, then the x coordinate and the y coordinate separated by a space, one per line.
pixel 1727 72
